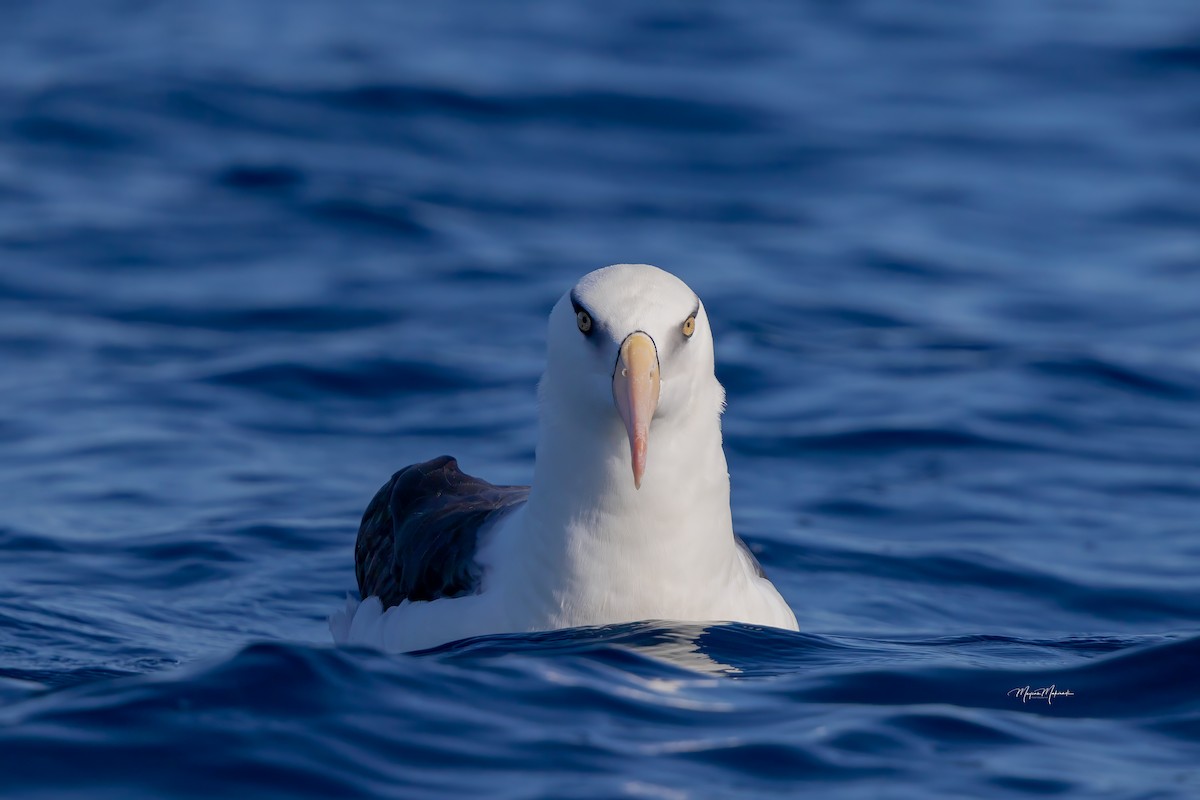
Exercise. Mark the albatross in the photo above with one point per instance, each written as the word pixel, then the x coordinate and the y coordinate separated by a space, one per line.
pixel 628 515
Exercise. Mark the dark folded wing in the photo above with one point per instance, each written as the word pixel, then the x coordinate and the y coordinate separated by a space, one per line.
pixel 418 537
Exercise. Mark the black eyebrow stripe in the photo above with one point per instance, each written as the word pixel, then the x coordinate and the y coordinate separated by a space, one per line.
pixel 578 306
pixel 687 336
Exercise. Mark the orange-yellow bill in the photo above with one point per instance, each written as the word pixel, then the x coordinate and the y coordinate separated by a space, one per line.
pixel 635 391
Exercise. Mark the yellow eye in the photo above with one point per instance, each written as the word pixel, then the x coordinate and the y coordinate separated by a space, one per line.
pixel 584 320
pixel 689 325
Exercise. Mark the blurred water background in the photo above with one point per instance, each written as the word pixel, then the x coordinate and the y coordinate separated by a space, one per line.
pixel 254 257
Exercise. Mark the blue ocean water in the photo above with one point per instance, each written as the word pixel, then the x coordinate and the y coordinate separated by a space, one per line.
pixel 255 257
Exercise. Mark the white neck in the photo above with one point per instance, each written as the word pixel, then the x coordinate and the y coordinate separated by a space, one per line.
pixel 621 551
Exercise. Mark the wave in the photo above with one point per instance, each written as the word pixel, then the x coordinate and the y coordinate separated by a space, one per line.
pixel 277 718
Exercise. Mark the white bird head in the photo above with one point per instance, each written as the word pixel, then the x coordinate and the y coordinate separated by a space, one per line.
pixel 631 342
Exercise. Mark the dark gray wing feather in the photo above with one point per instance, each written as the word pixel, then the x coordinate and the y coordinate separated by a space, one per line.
pixel 418 536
